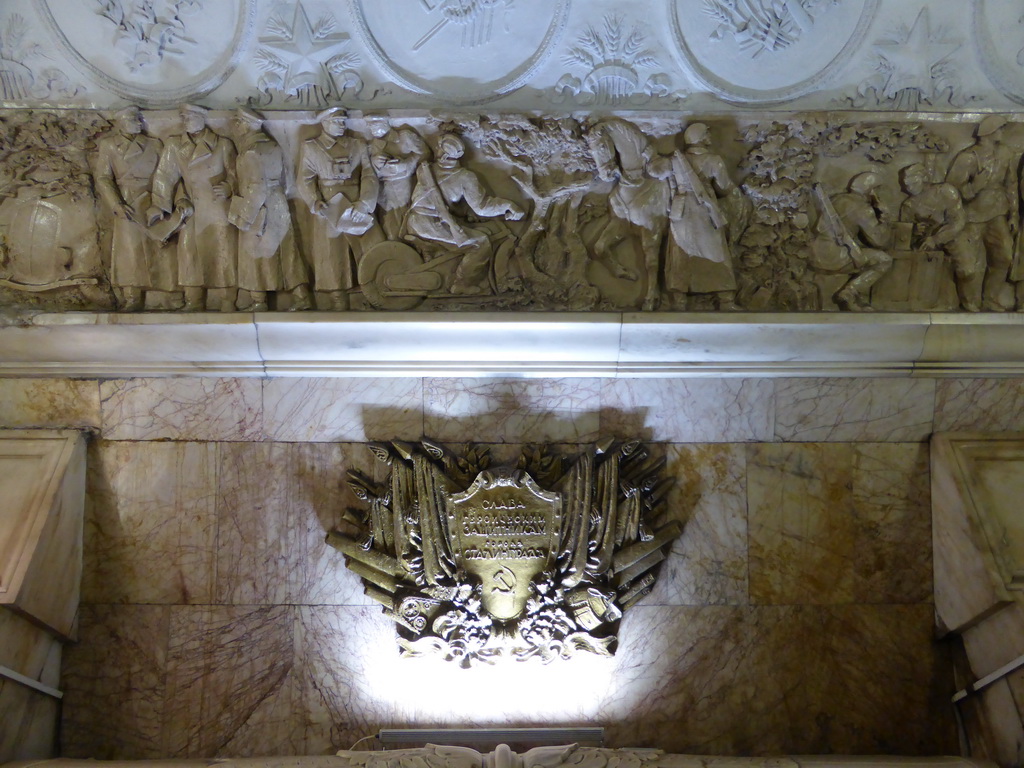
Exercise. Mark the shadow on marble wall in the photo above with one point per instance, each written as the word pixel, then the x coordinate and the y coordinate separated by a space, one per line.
pixel 793 615
pixel 216 622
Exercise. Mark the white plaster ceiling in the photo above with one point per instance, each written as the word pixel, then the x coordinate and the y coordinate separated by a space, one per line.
pixel 546 55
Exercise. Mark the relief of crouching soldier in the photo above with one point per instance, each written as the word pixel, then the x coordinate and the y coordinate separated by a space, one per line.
pixel 268 257
pixel 852 230
pixel 441 188
pixel 196 173
pixel 126 160
pixel 340 188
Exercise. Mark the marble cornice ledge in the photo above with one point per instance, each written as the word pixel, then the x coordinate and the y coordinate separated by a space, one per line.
pixel 109 345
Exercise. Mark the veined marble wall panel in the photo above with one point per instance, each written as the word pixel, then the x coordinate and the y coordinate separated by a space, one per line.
pixel 689 410
pixel 512 410
pixel 979 405
pixel 182 409
pixel 49 403
pixel 817 510
pixel 150 526
pixel 217 622
pixel 523 54
pixel 343 410
pixel 708 566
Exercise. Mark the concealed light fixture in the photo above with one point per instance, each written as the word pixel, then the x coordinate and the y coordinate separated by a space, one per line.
pixel 593 737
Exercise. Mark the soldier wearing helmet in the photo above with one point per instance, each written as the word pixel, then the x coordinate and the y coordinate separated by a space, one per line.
pixel 985 175
pixel 853 229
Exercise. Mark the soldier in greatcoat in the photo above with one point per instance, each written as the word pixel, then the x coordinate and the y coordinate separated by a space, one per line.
pixel 268 258
pixel 641 195
pixel 707 216
pixel 338 184
pixel 196 171
pixel 126 160
pixel 985 174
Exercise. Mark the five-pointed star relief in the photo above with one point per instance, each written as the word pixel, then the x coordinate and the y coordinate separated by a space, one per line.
pixel 306 48
pixel 914 57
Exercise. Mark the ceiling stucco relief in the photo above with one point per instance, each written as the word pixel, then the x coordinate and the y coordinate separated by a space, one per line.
pixel 26 71
pixel 153 54
pixel 524 55
pixel 306 62
pixel 998 33
pixel 618 69
pixel 915 67
pixel 146 31
pixel 768 50
pixel 444 48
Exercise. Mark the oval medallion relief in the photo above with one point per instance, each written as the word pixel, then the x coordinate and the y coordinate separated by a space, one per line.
pixel 461 51
pixel 153 52
pixel 768 50
pixel 999 39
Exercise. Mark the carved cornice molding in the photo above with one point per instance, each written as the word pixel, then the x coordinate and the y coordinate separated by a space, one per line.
pixel 512 344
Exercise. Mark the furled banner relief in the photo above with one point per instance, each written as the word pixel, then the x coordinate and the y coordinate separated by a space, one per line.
pixel 534 561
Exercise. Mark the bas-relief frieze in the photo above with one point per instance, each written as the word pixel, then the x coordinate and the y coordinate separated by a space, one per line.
pixel 537 560
pixel 193 210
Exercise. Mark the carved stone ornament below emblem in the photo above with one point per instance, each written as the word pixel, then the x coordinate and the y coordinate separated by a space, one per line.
pixel 537 560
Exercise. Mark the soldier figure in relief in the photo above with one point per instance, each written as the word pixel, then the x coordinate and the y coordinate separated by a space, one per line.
pixel 338 184
pixel 707 216
pixel 937 213
pixel 125 162
pixel 268 257
pixel 938 216
pixel 985 174
pixel 445 183
pixel 395 153
pixel 196 174
pixel 851 233
pixel 624 155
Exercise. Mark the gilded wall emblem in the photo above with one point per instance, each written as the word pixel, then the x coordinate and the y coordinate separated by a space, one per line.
pixel 538 560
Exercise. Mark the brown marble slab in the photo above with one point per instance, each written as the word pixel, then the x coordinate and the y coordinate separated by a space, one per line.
pixel 262 548
pixel 114 682
pixel 49 403
pixel 781 680
pixel 230 682
pixel 838 523
pixel 707 564
pixel 150 527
